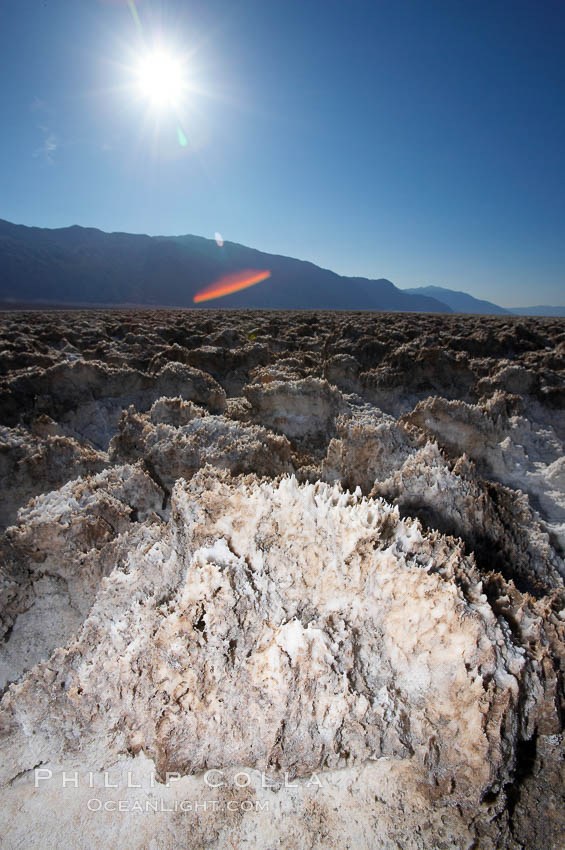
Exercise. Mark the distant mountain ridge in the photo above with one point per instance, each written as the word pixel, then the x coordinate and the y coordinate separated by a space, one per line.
pixel 460 302
pixel 84 265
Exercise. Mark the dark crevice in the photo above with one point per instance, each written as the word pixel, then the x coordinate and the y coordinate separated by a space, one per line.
pixel 152 472
pixel 526 752
pixel 200 624
pixel 490 555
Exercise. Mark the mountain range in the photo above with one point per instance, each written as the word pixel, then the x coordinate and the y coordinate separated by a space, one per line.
pixel 460 302
pixel 83 266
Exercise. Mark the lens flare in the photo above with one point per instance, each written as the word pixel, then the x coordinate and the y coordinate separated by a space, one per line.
pixel 231 283
pixel 134 14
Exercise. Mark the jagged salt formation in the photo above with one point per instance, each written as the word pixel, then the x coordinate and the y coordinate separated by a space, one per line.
pixel 52 561
pixel 176 438
pixel 522 451
pixel 295 629
pixel 180 603
pixel 497 524
pixel 40 459
pixel 88 397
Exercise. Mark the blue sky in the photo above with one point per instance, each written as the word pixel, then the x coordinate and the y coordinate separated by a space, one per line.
pixel 418 141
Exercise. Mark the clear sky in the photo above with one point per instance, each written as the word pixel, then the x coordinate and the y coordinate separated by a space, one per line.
pixel 419 141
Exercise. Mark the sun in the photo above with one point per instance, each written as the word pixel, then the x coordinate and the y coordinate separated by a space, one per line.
pixel 161 78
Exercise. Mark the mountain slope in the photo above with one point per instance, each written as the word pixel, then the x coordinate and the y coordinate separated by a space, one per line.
pixel 74 265
pixel 460 302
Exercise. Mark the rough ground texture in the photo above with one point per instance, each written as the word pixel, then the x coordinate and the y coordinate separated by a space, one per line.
pixel 282 580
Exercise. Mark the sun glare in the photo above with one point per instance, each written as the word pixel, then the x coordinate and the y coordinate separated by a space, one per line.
pixel 161 78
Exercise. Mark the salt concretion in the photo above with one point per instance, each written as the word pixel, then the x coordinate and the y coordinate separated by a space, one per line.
pixel 281 580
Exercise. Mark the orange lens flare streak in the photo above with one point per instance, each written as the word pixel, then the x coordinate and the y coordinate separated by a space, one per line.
pixel 231 283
